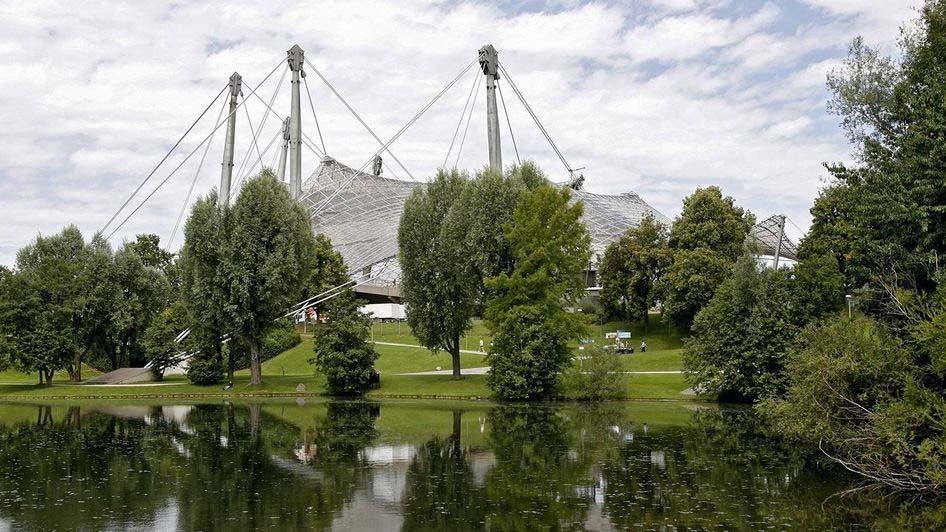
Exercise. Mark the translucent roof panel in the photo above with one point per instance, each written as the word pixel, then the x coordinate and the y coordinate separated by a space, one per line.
pixel 360 212
pixel 765 234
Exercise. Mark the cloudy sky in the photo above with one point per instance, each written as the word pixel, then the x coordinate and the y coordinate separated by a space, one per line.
pixel 654 96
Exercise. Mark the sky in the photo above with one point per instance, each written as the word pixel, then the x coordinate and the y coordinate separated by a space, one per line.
pixel 657 97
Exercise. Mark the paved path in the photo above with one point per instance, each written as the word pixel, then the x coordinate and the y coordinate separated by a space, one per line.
pixel 483 370
pixel 422 347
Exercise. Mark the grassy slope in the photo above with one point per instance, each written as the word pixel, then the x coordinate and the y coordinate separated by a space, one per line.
pixel 285 372
pixel 13 376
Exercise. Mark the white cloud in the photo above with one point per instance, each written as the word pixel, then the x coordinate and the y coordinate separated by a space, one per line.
pixel 91 98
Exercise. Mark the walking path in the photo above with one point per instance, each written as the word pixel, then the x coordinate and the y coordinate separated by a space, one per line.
pixel 483 370
pixel 422 347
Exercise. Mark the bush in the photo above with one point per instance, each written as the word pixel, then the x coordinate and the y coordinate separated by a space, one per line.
pixel 342 352
pixel 282 337
pixel 528 354
pixel 204 370
pixel 598 375
pixel 854 391
pixel 741 338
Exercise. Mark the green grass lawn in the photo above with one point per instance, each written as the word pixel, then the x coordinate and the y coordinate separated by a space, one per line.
pixel 13 376
pixel 283 373
pixel 400 333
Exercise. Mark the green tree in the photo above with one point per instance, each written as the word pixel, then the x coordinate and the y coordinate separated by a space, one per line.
pixel 706 239
pixel 203 277
pixel 63 302
pixel 328 270
pixel 632 268
pixel 818 287
pixel 159 343
pixel 269 256
pixel 142 292
pixel 740 339
pixel 437 289
pixel 527 311
pixel 342 351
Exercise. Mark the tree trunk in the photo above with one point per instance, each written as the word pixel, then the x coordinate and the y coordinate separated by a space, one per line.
pixel 457 427
pixel 455 355
pixel 255 369
pixel 76 373
pixel 49 376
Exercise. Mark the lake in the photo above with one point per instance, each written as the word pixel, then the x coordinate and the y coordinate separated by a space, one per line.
pixel 412 465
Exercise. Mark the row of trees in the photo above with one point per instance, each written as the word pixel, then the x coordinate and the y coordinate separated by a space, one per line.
pixel 507 246
pixel 679 268
pixel 870 389
pixel 70 302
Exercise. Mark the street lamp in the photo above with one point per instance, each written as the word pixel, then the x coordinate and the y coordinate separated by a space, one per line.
pixel 849 298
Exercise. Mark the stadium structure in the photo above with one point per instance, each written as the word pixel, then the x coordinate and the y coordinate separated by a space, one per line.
pixel 360 211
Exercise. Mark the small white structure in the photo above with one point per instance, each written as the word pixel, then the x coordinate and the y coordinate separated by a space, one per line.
pixel 385 311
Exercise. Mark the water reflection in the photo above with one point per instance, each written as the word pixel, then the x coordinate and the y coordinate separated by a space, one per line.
pixel 414 466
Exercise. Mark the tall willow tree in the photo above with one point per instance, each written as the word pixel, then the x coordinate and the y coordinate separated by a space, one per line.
pixel 269 255
pixel 437 287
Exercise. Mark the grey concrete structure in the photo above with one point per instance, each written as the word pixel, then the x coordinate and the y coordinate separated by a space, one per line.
pixel 226 172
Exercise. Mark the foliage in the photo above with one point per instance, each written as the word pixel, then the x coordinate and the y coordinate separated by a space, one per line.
pixel 527 311
pixel 437 289
pixel 707 237
pixel 269 254
pixel 631 271
pixel 597 376
pixel 159 343
pixel 691 281
pixel 203 276
pixel 818 287
pixel 281 337
pixel 741 337
pixel 142 292
pixel 328 270
pixel 852 388
pixel 204 369
pixel 342 351
pixel 59 303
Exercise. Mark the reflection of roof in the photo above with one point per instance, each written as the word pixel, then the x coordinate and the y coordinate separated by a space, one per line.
pixel 765 234
pixel 362 218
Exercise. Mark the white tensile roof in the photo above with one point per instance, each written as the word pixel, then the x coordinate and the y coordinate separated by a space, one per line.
pixel 361 218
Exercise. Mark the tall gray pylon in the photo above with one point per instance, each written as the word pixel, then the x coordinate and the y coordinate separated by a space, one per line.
pixel 226 173
pixel 489 62
pixel 296 58
pixel 284 150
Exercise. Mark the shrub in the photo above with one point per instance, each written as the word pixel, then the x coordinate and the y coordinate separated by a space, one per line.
pixel 596 375
pixel 342 352
pixel 740 339
pixel 204 370
pixel 528 354
pixel 282 337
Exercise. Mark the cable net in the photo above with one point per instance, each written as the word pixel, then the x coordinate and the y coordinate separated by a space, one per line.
pixel 362 218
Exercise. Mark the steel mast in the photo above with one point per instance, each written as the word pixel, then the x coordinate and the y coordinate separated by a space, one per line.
pixel 226 174
pixel 296 59
pixel 489 62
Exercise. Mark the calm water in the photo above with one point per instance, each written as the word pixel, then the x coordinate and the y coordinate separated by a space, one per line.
pixel 413 466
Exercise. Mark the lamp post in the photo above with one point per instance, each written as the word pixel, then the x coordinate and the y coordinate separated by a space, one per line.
pixel 849 298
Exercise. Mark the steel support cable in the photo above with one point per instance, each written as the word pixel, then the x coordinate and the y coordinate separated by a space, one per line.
pixel 249 121
pixel 469 119
pixel 269 109
pixel 508 122
pixel 314 116
pixel 357 117
pixel 190 191
pixel 191 154
pixel 476 77
pixel 265 151
pixel 397 135
pixel 535 117
pixel 168 154
pixel 304 138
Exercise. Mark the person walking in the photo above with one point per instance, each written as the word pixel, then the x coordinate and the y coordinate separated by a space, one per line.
pixel 643 346
pixel 481 345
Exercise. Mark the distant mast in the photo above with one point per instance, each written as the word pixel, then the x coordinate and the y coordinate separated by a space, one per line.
pixel 489 62
pixel 296 59
pixel 226 173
